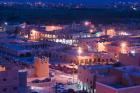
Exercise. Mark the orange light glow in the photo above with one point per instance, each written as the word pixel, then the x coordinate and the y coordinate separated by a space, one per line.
pixel 123 47
pixel 101 47
pixel 111 32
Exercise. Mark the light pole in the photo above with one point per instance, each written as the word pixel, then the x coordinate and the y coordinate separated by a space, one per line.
pixel 79 51
pixel 124 47
pixel 79 54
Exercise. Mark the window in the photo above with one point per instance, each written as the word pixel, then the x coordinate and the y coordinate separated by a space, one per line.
pixel 15 88
pixel 4 79
pixel 4 89
pixel 90 82
pixel 91 87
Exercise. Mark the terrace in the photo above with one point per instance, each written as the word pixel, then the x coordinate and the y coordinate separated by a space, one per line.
pixel 127 79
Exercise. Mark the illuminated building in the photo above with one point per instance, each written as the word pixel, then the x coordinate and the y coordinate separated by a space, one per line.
pixel 65 34
pixel 35 35
pixel 123 34
pixel 111 32
pixel 53 28
pixel 101 47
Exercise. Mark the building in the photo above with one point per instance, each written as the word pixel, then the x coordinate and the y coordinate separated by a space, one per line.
pixel 41 66
pixel 127 81
pixel 131 59
pixel 109 79
pixel 89 74
pixel 10 79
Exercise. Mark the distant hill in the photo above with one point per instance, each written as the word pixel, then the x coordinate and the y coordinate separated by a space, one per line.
pixel 90 2
pixel 55 15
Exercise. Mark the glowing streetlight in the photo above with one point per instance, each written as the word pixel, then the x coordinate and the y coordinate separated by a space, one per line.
pixel 124 47
pixel 123 44
pixel 87 23
pixel 133 52
pixel 91 30
pixel 5 23
pixel 33 31
pixel 79 53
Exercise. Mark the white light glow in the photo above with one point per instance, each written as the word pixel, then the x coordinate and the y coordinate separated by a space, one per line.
pixel 87 23
pixel 80 50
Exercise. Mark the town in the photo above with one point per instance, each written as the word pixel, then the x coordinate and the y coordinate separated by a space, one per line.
pixel 73 58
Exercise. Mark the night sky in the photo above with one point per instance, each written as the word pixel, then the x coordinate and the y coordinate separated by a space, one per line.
pixel 100 2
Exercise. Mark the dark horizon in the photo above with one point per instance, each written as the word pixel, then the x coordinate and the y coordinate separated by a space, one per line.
pixel 88 2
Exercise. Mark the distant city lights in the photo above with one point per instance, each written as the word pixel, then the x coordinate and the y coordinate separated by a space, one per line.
pixel 123 33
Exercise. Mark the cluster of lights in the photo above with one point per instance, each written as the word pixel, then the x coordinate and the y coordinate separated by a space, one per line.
pixel 123 33
pixel 98 34
pixel 111 32
pixel 123 44
pixel 133 52
pixel 101 47
pixel 33 31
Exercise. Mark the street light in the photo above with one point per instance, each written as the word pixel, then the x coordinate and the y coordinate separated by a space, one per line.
pixel 91 30
pixel 123 46
pixel 133 52
pixel 87 23
pixel 79 50
pixel 79 53
pixel 6 23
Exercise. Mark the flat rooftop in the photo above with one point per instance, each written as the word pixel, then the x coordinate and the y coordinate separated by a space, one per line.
pixel 96 67
pixel 13 46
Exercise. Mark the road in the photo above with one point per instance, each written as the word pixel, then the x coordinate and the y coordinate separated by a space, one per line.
pixel 46 87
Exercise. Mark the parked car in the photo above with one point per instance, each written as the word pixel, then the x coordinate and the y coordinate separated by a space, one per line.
pixel 46 80
pixel 36 81
pixel 34 92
